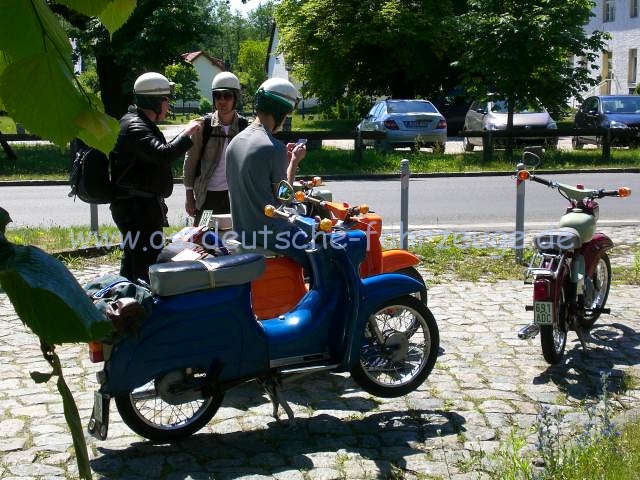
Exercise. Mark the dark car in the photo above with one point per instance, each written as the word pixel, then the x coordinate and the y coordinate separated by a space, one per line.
pixel 454 107
pixel 620 113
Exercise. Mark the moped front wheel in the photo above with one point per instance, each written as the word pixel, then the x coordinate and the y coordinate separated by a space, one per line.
pixel 166 417
pixel 597 292
pixel 399 348
pixel 553 338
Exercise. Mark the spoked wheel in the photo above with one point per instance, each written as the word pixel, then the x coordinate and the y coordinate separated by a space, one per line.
pixel 396 357
pixel 597 293
pixel 553 338
pixel 161 412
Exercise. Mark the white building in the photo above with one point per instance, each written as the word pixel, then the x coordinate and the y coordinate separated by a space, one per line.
pixel 619 63
pixel 207 67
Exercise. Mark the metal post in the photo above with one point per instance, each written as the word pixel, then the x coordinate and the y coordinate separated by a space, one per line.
pixel 404 202
pixel 93 213
pixel 519 243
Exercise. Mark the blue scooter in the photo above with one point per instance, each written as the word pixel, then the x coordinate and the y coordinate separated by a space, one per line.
pixel 169 376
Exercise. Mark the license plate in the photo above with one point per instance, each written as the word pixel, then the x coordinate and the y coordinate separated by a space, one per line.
pixel 97 405
pixel 542 313
pixel 418 123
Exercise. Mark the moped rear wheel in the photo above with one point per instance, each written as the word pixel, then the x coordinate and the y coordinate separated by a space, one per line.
pixel 147 413
pixel 396 356
pixel 553 338
pixel 596 295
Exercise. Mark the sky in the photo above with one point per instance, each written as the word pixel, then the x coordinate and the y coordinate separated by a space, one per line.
pixel 244 8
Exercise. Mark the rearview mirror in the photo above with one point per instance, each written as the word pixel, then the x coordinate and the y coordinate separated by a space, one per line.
pixel 530 160
pixel 285 191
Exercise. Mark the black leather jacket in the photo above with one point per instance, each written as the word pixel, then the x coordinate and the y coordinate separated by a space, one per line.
pixel 142 158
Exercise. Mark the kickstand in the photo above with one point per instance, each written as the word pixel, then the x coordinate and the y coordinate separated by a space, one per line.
pixel 273 387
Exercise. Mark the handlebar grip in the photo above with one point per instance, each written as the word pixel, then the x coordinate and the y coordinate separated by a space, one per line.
pixel 609 193
pixel 548 183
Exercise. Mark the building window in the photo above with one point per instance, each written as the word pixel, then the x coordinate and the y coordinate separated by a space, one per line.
pixel 633 8
pixel 633 67
pixel 609 10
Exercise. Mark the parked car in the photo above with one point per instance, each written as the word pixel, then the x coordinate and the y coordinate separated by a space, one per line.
pixel 406 123
pixel 453 106
pixel 491 114
pixel 620 113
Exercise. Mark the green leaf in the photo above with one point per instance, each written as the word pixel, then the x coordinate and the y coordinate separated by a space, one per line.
pixel 28 27
pixel 98 129
pixel 112 13
pixel 48 298
pixel 39 92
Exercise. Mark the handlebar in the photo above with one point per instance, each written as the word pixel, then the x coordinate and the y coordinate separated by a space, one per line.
pixel 577 193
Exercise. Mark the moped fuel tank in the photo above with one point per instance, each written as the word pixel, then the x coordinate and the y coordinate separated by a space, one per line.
pixel 584 223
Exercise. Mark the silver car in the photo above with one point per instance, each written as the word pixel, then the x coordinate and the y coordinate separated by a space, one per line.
pixel 492 115
pixel 405 123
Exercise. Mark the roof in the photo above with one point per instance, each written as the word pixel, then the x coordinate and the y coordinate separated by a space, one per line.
pixel 191 56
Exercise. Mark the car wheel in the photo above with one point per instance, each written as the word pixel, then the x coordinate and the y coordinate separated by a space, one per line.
pixel 468 147
pixel 576 143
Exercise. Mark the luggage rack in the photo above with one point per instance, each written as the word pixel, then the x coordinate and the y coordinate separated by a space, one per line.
pixel 539 259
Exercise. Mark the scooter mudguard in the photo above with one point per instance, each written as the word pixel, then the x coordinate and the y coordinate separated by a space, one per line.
pixel 594 250
pixel 374 292
pixel 202 330
pixel 396 259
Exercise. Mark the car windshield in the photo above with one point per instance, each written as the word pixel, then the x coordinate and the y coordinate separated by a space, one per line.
pixel 500 106
pixel 621 105
pixel 410 106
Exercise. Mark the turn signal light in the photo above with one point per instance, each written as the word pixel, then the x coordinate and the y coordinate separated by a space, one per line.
pixel 364 208
pixel 96 354
pixel 624 192
pixel 326 225
pixel 317 181
pixel 523 175
pixel 269 211
pixel 299 196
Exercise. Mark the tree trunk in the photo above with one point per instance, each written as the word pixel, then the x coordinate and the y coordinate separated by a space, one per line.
pixel 110 75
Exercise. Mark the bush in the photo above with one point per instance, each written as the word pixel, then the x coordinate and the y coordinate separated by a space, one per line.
pixel 205 105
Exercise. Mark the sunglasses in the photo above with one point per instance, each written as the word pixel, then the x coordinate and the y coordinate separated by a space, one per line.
pixel 224 95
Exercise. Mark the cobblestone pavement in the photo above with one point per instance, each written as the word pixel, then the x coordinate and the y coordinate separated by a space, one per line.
pixel 486 382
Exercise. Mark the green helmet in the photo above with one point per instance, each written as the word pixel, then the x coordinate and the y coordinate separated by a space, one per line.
pixel 278 97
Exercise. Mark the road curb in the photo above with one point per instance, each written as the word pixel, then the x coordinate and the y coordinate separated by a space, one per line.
pixel 365 176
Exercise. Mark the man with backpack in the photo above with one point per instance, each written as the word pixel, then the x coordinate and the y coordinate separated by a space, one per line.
pixel 142 176
pixel 204 164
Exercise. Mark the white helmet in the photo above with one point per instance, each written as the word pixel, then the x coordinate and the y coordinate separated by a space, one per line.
pixel 280 90
pixel 152 83
pixel 225 81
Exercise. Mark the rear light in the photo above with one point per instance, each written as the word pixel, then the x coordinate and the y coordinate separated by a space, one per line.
pixel 391 125
pixel 442 124
pixel 96 354
pixel 541 289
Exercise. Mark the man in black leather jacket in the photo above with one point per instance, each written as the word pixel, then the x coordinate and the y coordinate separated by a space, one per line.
pixel 141 173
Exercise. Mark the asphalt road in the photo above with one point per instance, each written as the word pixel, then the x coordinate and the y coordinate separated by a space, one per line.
pixel 458 202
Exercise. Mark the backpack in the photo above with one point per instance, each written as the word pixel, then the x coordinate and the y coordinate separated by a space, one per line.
pixel 89 175
pixel 206 135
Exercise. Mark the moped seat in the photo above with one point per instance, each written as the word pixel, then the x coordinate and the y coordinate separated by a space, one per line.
pixel 562 239
pixel 175 278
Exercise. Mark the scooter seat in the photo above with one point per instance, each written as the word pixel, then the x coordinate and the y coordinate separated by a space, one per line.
pixel 562 239
pixel 175 278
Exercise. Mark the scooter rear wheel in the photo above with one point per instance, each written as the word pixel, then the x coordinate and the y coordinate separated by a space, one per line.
pixel 146 413
pixel 553 338
pixel 396 356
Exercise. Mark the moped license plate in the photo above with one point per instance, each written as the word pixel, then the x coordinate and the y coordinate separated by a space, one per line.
pixel 543 313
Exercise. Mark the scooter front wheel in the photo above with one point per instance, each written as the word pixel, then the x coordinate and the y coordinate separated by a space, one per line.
pixel 147 413
pixel 598 291
pixel 399 348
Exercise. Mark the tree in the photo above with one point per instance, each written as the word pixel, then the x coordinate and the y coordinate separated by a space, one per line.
pixel 522 51
pixel 377 47
pixel 251 72
pixel 156 35
pixel 186 78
